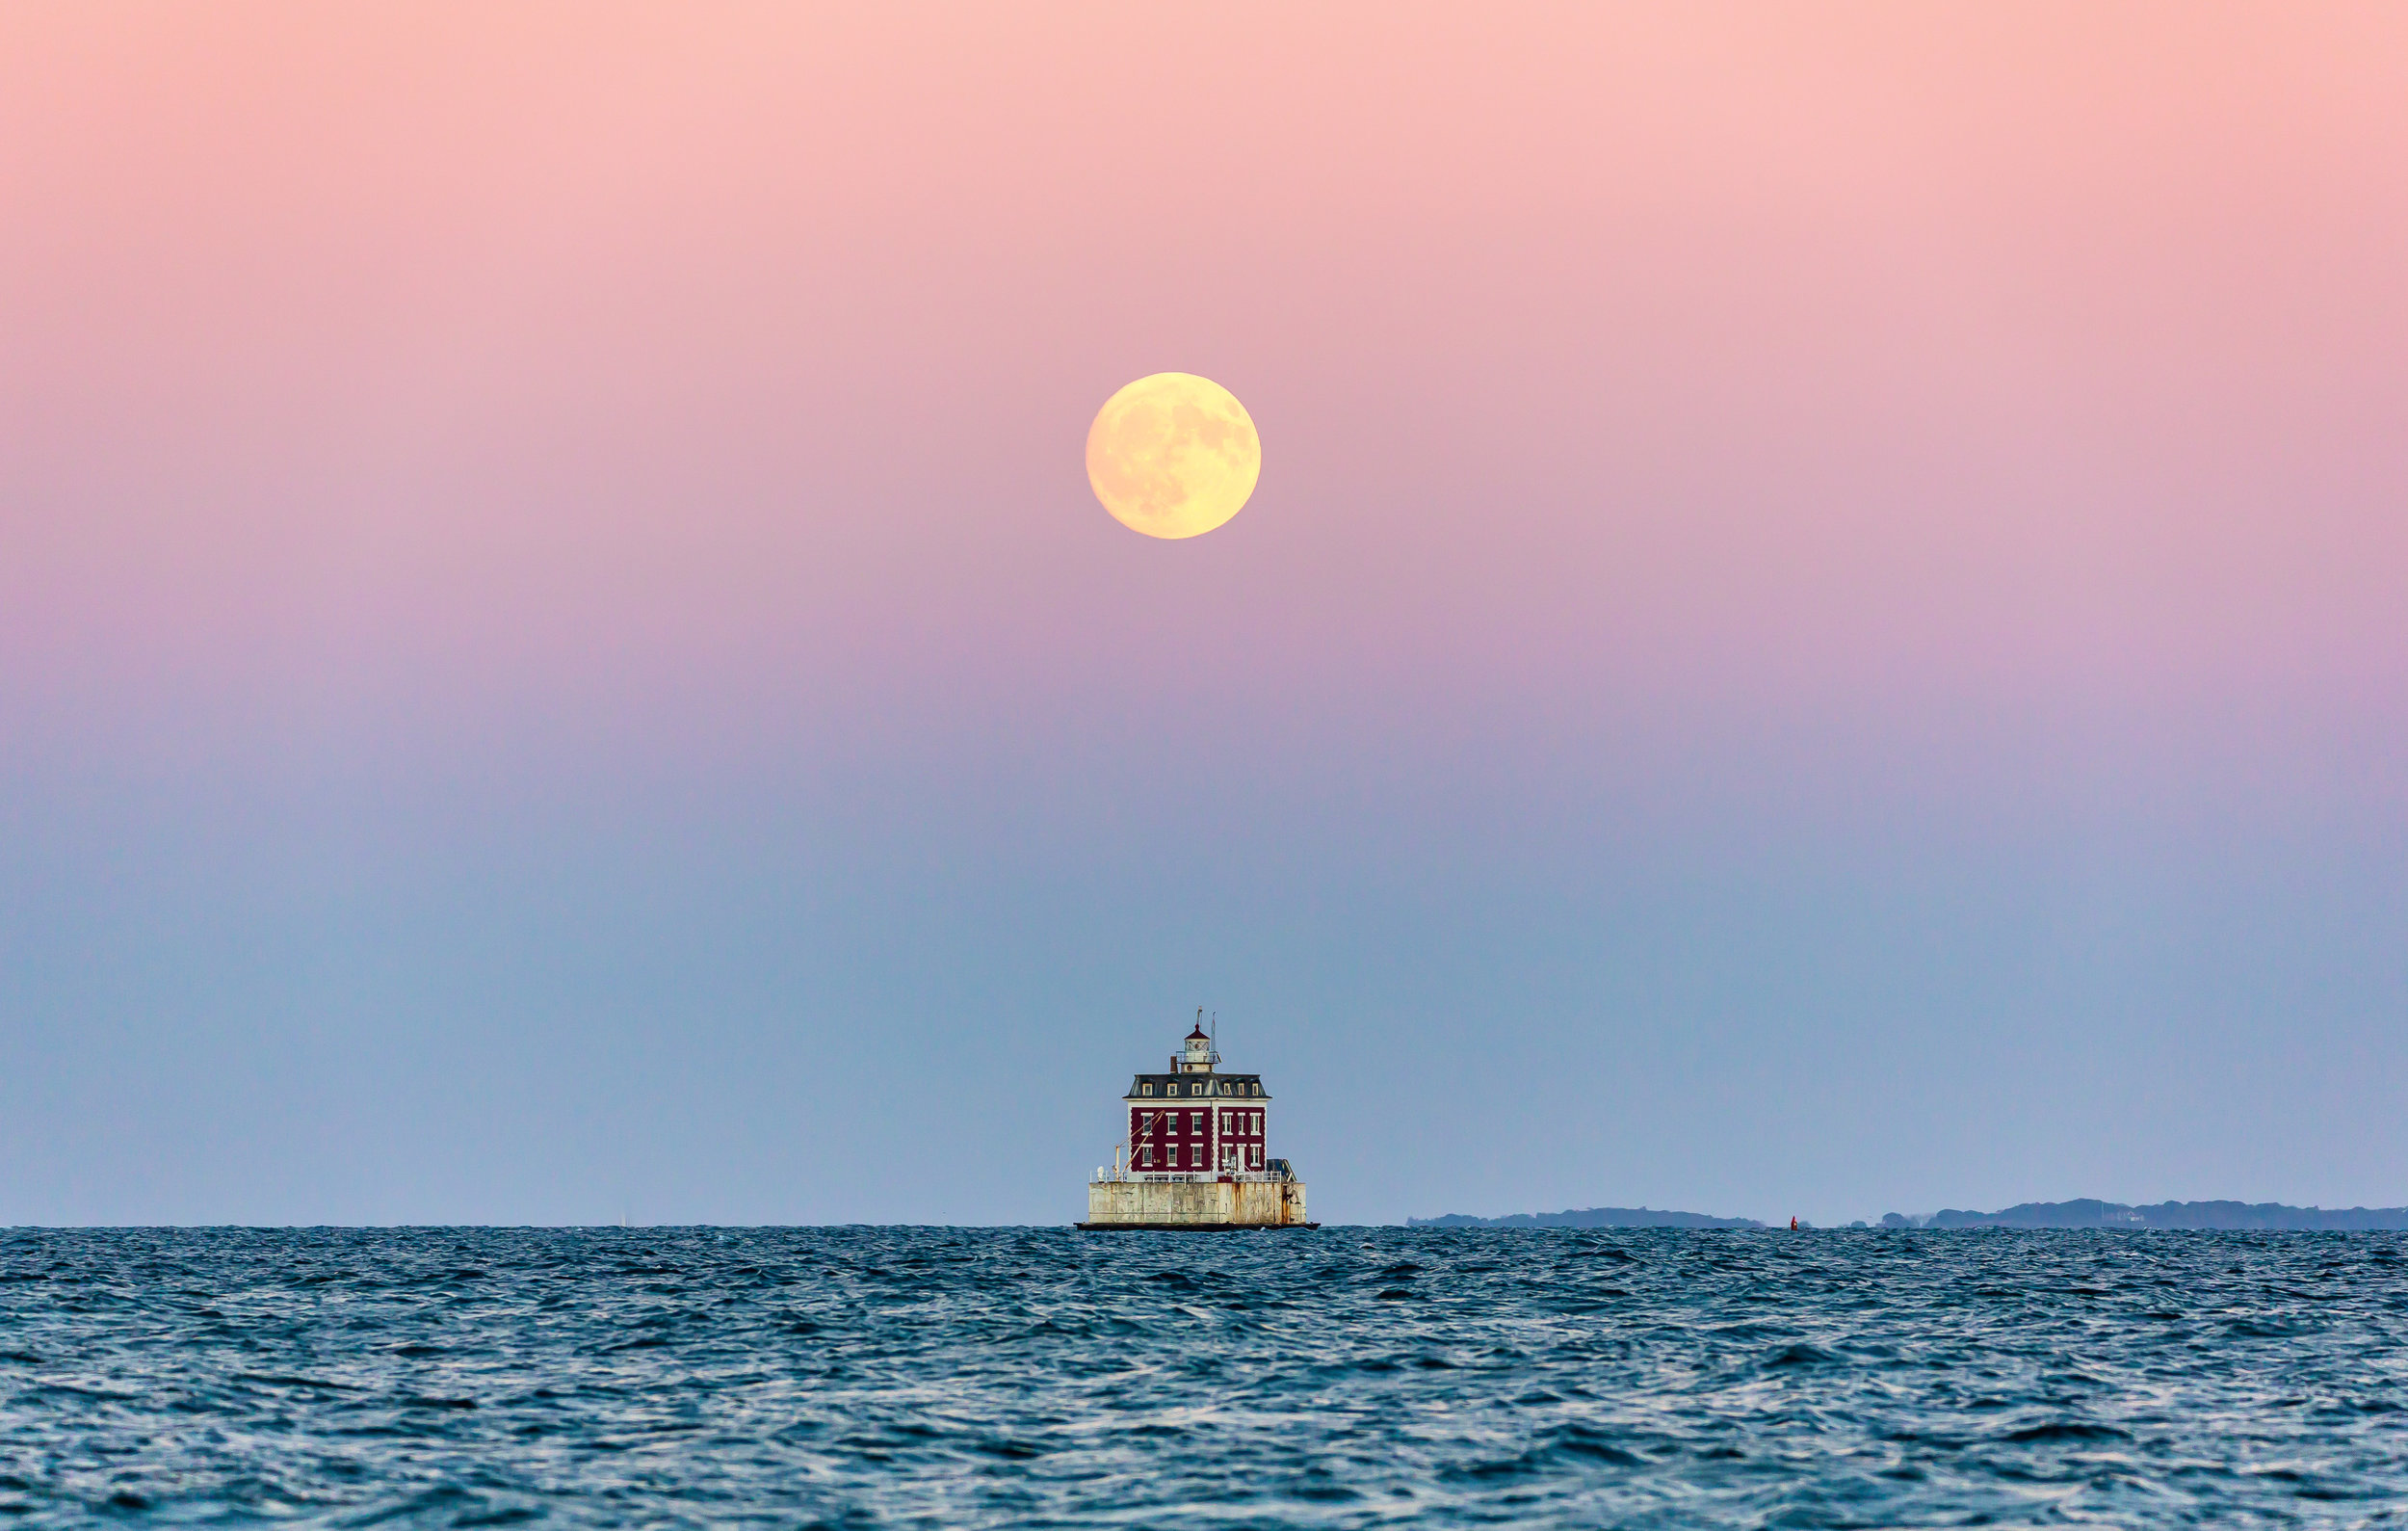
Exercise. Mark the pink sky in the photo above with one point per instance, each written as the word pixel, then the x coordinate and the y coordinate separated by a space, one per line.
pixel 1719 411
pixel 1677 349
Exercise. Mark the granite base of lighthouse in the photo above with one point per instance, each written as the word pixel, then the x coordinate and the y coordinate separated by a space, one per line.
pixel 1195 1206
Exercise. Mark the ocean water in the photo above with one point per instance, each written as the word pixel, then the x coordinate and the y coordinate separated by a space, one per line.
pixel 1353 1377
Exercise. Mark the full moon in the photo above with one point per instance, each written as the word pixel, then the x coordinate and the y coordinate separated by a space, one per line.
pixel 1173 455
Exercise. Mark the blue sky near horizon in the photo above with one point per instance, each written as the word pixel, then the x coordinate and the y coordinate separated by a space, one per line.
pixel 1821 632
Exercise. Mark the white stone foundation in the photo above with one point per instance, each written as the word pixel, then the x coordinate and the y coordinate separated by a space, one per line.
pixel 1191 1203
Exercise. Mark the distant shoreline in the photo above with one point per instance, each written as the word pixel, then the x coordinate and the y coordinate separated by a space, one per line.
pixel 2273 1217
pixel 1595 1217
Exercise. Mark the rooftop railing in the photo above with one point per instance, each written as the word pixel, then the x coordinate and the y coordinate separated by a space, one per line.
pixel 1107 1174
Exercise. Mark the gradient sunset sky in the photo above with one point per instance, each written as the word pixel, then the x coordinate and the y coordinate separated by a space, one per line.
pixel 1824 628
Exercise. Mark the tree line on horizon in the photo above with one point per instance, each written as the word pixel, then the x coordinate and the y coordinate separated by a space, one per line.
pixel 2084 1213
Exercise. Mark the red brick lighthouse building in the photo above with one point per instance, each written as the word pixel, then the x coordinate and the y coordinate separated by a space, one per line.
pixel 1194 1152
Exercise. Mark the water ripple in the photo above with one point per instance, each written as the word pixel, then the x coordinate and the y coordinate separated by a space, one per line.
pixel 931 1376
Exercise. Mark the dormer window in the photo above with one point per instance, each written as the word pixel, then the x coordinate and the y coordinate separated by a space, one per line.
pixel 1145 1090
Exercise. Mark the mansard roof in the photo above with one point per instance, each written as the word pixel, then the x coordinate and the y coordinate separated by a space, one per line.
pixel 1215 1080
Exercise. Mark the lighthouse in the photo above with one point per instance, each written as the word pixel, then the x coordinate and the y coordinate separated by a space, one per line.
pixel 1193 1152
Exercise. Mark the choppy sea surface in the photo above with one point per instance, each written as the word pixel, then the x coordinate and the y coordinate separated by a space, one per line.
pixel 1350 1377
